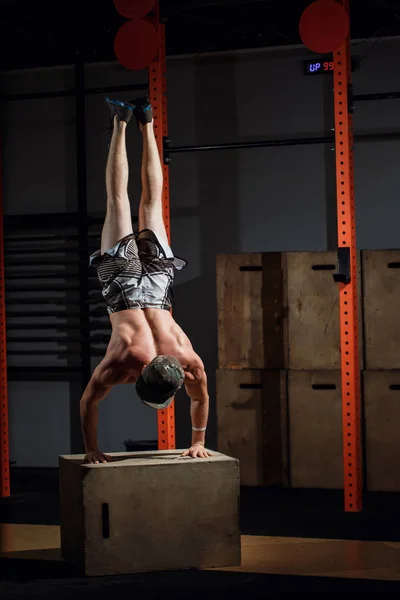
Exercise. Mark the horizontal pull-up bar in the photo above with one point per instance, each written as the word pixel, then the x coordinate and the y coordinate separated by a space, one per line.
pixel 370 97
pixel 365 137
pixel 245 145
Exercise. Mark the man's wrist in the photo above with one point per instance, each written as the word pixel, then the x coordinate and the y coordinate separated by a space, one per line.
pixel 198 439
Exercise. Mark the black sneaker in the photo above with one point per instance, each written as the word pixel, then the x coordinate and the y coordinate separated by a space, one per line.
pixel 142 110
pixel 123 110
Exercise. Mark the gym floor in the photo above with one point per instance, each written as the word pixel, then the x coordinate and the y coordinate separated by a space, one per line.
pixel 293 540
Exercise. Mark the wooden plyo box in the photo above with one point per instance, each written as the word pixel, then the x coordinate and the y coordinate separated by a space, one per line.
pixel 278 310
pixel 381 272
pixel 315 429
pixel 252 423
pixel 251 304
pixel 149 512
pixel 313 311
pixel 382 440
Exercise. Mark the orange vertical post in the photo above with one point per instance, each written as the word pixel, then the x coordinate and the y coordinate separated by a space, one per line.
pixel 350 364
pixel 158 98
pixel 4 445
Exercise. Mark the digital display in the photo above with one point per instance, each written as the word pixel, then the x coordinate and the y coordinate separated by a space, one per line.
pixel 313 67
pixel 323 66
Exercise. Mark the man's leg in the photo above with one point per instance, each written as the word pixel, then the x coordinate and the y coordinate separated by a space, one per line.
pixel 150 208
pixel 118 221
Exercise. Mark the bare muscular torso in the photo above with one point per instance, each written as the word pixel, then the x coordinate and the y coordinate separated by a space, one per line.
pixel 140 335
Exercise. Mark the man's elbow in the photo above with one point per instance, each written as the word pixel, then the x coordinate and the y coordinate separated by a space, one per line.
pixel 199 391
pixel 94 392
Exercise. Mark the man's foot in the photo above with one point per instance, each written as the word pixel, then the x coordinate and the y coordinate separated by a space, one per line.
pixel 142 110
pixel 122 110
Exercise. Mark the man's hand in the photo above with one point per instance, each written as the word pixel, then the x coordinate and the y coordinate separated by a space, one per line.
pixel 95 457
pixel 197 451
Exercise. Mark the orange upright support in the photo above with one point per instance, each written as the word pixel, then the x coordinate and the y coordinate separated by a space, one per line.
pixel 4 448
pixel 351 403
pixel 158 98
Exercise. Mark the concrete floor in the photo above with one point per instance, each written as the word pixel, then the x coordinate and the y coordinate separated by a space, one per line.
pixel 293 540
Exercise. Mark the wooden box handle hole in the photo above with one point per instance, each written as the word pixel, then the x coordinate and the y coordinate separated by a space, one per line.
pixel 105 520
pixel 323 386
pixel 250 386
pixel 323 267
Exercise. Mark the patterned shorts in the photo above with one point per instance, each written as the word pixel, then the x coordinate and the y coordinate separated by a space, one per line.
pixel 138 272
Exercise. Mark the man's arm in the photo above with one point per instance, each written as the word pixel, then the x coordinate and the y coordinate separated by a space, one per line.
pixel 97 389
pixel 93 394
pixel 197 390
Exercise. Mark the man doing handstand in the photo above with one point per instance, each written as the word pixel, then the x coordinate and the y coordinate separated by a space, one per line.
pixel 136 274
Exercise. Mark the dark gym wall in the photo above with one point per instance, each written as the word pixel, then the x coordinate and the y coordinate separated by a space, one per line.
pixel 38 144
pixel 222 201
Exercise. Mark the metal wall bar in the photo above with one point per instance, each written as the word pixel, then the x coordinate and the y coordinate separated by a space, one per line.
pixel 349 336
pixel 71 373
pixel 48 313
pixel 46 238
pixel 4 442
pixel 41 250
pixel 39 275
pixel 72 339
pixel 50 220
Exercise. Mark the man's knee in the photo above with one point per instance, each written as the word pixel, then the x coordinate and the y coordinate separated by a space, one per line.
pixel 117 201
pixel 150 201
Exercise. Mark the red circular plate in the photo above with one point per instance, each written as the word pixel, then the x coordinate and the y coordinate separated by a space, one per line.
pixel 136 44
pixel 134 9
pixel 324 26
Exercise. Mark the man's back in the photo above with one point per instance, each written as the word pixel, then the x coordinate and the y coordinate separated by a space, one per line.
pixel 139 335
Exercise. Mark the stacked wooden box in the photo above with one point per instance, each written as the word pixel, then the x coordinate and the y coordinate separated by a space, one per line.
pixel 381 379
pixel 279 382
